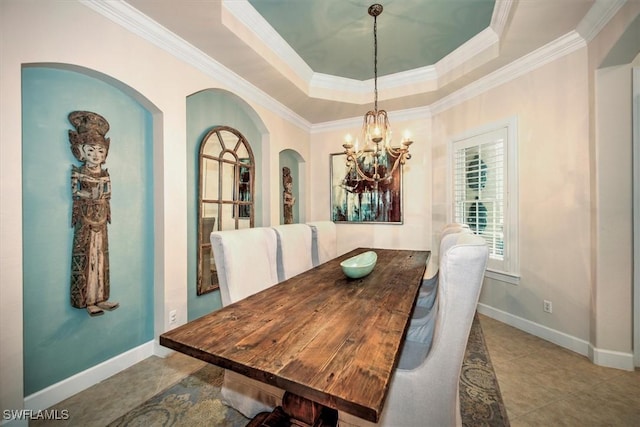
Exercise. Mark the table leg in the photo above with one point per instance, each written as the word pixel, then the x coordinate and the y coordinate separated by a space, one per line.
pixel 296 411
pixel 276 418
pixel 305 412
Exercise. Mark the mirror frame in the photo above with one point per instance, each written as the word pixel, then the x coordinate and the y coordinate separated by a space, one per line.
pixel 242 210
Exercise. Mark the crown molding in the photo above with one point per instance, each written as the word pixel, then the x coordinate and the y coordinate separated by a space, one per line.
pixel 501 14
pixel 473 54
pixel 134 21
pixel 335 88
pixel 558 48
pixel 484 41
pixel 418 113
pixel 253 21
pixel 410 82
pixel 597 17
pixel 350 123
pixel 244 21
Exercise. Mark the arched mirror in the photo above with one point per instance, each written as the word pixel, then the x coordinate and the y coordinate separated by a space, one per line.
pixel 225 194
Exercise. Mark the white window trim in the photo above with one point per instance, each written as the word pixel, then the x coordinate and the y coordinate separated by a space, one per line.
pixel 501 276
pixel 510 273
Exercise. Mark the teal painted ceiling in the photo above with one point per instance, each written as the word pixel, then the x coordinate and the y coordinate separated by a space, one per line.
pixel 336 37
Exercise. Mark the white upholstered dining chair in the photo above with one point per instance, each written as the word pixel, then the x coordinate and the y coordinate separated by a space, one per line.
pixel 246 264
pixel 424 388
pixel 324 239
pixel 294 250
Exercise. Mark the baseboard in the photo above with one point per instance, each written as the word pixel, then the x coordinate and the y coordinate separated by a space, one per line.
pixel 66 388
pixel 607 358
pixel 612 359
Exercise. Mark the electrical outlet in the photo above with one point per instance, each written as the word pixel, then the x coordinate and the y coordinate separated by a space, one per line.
pixel 173 317
pixel 547 307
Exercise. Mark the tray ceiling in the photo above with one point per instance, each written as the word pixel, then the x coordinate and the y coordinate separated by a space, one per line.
pixel 315 57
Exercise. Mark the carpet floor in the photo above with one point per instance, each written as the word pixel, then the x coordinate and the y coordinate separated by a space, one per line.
pixel 195 401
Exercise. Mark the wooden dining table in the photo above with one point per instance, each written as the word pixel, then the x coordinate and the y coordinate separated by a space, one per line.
pixel 322 337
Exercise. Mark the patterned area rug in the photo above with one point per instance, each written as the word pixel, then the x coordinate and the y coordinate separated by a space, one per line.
pixel 195 401
pixel 480 398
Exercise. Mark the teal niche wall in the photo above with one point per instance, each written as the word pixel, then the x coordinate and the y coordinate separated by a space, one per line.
pixel 205 110
pixel 59 340
pixel 290 159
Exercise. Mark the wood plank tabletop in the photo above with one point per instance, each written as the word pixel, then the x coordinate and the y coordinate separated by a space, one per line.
pixel 320 335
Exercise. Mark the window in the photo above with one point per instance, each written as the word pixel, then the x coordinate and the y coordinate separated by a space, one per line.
pixel 484 193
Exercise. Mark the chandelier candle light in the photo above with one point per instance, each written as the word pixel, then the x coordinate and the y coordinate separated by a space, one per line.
pixel 376 133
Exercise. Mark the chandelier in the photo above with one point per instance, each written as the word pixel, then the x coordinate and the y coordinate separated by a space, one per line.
pixel 376 159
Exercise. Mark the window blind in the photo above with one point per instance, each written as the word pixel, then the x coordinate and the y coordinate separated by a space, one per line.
pixel 479 190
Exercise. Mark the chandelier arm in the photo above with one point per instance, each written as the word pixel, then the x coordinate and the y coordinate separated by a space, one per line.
pixel 358 170
pixel 395 166
pixel 395 151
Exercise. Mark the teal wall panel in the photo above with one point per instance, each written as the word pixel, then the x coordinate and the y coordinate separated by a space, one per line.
pixel 59 340
pixel 205 110
pixel 289 158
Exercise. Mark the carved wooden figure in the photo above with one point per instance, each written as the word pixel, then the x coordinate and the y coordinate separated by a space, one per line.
pixel 287 196
pixel 91 191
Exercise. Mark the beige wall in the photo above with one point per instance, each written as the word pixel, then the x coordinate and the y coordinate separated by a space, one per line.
pixel 551 108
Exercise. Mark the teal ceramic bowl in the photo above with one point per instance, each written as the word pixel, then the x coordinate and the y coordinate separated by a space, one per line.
pixel 359 265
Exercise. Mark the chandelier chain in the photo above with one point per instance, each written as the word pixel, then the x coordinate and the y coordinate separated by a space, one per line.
pixel 375 62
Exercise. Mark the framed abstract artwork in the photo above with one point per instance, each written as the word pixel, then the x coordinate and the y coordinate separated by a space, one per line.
pixel 356 200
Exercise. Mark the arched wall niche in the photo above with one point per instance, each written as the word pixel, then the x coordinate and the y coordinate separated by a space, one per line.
pixel 295 162
pixel 58 339
pixel 207 109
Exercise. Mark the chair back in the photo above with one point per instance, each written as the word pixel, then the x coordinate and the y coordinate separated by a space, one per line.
pixel 294 250
pixel 239 274
pixel 431 273
pixel 453 229
pixel 324 241
pixel 455 225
